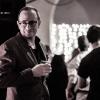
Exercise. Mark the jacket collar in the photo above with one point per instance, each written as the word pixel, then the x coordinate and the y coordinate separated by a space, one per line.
pixel 37 39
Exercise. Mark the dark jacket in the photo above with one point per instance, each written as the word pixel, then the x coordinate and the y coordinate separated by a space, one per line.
pixel 16 61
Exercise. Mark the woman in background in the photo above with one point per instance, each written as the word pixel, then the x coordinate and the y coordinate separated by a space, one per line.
pixel 73 65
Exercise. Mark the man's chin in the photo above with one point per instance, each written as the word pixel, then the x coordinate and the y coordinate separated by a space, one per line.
pixel 29 37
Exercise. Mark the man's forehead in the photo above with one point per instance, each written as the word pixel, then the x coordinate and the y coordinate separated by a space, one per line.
pixel 28 14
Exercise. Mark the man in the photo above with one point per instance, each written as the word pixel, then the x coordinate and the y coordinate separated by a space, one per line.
pixel 90 65
pixel 21 70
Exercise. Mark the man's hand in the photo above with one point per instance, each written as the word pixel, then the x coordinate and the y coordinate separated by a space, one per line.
pixel 41 70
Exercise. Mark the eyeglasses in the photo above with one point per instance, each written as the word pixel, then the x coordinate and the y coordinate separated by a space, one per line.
pixel 25 23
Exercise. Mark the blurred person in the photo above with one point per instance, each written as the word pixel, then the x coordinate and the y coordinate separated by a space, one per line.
pixel 8 16
pixel 58 78
pixel 72 74
pixel 90 65
pixel 75 52
pixel 73 65
pixel 48 53
pixel 21 70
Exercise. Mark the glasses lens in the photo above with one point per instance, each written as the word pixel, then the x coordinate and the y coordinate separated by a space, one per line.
pixel 32 23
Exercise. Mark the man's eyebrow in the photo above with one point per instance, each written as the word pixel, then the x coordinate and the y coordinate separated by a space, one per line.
pixel 22 20
pixel 27 20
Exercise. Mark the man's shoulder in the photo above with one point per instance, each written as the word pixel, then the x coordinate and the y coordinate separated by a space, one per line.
pixel 92 55
pixel 87 58
pixel 10 40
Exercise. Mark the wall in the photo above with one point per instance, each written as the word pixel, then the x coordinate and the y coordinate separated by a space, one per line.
pixel 76 11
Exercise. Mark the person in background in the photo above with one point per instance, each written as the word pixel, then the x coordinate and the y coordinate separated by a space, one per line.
pixel 90 65
pixel 73 65
pixel 8 16
pixel 48 53
pixel 75 52
pixel 58 78
pixel 21 70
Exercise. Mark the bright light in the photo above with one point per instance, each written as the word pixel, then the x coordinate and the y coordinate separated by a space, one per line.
pixel 63 37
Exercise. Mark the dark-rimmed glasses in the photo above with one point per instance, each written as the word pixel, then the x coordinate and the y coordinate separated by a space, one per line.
pixel 25 23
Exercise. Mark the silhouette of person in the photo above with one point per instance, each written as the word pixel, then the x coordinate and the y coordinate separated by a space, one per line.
pixel 58 78
pixel 90 65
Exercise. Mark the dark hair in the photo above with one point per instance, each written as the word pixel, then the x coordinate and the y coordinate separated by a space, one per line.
pixel 29 9
pixel 82 43
pixel 75 52
pixel 93 34
pixel 58 61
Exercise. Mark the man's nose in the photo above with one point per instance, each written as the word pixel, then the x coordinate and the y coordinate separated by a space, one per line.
pixel 28 26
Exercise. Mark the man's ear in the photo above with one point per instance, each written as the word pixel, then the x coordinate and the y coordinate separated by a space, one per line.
pixel 17 23
pixel 39 22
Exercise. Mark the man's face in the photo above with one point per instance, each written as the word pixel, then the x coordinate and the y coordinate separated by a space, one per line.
pixel 28 23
